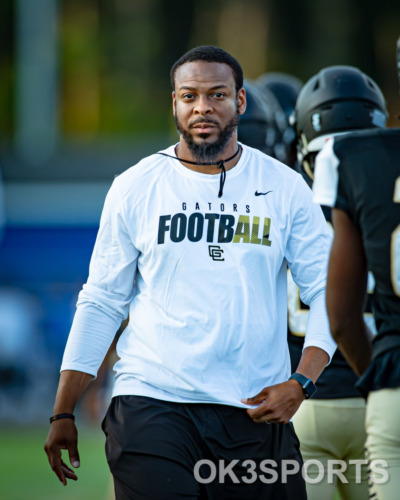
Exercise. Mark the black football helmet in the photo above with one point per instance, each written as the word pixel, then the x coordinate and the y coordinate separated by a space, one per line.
pixel 337 100
pixel 257 126
pixel 285 88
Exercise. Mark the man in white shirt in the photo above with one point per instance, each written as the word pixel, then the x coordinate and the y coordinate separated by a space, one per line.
pixel 194 244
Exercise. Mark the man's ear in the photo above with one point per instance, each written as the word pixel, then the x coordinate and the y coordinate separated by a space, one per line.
pixel 241 101
pixel 173 102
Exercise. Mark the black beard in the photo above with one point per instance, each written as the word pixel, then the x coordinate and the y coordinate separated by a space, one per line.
pixel 208 152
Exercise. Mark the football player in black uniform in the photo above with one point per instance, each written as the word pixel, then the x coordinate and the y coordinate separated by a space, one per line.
pixel 285 88
pixel 359 176
pixel 330 426
pixel 258 126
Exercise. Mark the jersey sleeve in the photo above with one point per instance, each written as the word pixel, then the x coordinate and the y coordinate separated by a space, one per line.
pixel 104 300
pixel 326 176
pixel 329 186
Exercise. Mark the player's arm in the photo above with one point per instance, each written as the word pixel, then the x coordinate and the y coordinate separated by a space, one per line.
pixel 346 292
pixel 63 433
pixel 102 304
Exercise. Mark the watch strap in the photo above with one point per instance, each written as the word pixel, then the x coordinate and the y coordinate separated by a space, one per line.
pixel 306 384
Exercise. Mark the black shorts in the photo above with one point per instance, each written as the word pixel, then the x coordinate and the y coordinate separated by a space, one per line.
pixel 159 450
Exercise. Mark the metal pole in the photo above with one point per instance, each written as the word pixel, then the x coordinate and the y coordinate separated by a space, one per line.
pixel 37 123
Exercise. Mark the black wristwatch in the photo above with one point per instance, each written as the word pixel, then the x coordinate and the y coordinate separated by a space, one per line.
pixel 306 384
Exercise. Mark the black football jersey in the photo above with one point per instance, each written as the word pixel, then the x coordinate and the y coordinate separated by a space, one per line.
pixel 360 174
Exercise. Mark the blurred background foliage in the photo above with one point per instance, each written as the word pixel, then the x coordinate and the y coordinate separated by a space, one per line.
pixel 113 56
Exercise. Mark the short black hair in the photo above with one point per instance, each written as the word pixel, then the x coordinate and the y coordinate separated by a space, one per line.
pixel 209 53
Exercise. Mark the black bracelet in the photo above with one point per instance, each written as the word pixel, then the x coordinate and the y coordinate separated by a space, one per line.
pixel 61 415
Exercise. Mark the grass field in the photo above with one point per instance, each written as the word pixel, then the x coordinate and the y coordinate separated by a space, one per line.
pixel 25 473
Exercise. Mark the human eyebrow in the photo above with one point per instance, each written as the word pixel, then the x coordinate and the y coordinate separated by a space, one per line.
pixel 215 87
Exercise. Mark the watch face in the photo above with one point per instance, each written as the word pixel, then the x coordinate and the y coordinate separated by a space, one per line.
pixel 309 388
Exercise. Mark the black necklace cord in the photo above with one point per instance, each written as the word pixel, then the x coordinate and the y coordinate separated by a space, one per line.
pixel 222 178
pixel 220 164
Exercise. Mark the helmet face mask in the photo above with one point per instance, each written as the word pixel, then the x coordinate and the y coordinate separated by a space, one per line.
pixel 307 167
pixel 337 100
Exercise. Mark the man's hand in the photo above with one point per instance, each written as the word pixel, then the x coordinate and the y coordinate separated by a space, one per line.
pixel 62 435
pixel 276 404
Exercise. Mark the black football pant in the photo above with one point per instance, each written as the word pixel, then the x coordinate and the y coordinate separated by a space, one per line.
pixel 159 450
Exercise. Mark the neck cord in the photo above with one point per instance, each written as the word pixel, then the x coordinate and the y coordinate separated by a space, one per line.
pixel 219 163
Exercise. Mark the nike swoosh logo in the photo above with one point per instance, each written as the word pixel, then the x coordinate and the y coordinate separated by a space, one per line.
pixel 261 194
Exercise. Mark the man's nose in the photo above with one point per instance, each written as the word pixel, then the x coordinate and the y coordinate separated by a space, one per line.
pixel 203 106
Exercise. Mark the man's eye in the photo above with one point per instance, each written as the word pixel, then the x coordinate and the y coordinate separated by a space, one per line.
pixel 219 95
pixel 188 96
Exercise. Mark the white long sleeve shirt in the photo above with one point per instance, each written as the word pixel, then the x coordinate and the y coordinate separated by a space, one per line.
pixel 202 278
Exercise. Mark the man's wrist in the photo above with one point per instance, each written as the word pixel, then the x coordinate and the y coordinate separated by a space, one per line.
pixel 306 384
pixel 298 388
pixel 60 416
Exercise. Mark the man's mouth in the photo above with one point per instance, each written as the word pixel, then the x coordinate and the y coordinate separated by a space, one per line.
pixel 203 127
